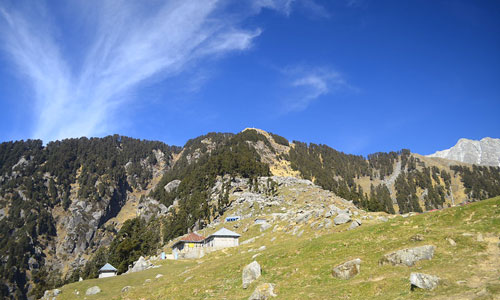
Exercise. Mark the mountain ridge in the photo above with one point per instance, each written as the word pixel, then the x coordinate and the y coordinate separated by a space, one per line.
pixel 483 152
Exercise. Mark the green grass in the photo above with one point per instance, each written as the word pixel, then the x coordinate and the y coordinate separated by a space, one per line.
pixel 301 267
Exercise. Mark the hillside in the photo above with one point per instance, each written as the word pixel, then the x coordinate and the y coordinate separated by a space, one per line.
pixel 70 206
pixel 300 266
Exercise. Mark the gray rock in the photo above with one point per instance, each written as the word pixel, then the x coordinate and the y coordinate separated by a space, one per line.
pixel 263 291
pixel 250 273
pixel 408 256
pixel 93 290
pixel 417 238
pixel 451 241
pixel 159 276
pixel 479 237
pixel 354 224
pixel 264 226
pixel 250 240
pixel 262 248
pixel 328 224
pixel 348 269
pixel 56 292
pixel 382 218
pixel 140 265
pixel 341 219
pixel 126 288
pixel 423 281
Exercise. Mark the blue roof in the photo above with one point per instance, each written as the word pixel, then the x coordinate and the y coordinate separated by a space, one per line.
pixel 108 267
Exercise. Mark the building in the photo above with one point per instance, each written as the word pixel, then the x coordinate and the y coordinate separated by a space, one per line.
pixel 189 246
pixel 233 218
pixel 223 238
pixel 107 271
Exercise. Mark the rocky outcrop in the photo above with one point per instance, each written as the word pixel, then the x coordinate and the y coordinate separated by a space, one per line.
pixel 250 273
pixel 484 152
pixel 342 219
pixel 263 291
pixel 408 257
pixel 348 269
pixel 423 281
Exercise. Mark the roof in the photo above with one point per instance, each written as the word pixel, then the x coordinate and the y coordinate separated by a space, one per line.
pixel 192 237
pixel 225 232
pixel 107 268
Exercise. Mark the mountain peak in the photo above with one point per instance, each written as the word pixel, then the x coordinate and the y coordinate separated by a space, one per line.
pixel 483 152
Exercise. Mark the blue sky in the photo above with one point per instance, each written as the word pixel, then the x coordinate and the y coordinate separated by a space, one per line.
pixel 360 76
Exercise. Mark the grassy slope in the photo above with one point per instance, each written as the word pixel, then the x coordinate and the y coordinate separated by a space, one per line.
pixel 301 266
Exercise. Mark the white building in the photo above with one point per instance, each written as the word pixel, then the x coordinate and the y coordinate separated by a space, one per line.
pixel 107 271
pixel 223 238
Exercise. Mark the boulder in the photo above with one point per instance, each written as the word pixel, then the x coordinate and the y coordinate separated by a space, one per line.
pixel 341 219
pixel 93 290
pixel 250 273
pixel 408 256
pixel 140 265
pixel 423 281
pixel 354 224
pixel 263 291
pixel 348 269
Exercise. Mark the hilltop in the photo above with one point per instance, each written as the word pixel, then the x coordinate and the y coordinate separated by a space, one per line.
pixel 70 206
pixel 483 152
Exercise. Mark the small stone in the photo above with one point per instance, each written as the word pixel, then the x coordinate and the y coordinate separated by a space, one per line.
pixel 159 276
pixel 56 292
pixel 263 291
pixel 384 219
pixel 451 241
pixel 93 290
pixel 265 226
pixel 251 272
pixel 262 248
pixel 348 269
pixel 479 237
pixel 126 288
pixel 417 238
pixel 423 281
pixel 147 281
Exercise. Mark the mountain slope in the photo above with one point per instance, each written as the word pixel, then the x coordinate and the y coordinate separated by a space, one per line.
pixel 69 207
pixel 484 152
pixel 300 266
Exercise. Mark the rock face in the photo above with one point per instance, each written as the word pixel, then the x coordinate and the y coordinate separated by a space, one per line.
pixel 484 152
pixel 250 273
pixel 423 281
pixel 341 219
pixel 93 290
pixel 348 269
pixel 408 256
pixel 263 291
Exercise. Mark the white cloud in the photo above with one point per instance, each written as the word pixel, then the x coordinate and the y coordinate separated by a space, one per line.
pixel 130 45
pixel 311 83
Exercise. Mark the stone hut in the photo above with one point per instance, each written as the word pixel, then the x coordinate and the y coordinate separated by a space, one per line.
pixel 189 246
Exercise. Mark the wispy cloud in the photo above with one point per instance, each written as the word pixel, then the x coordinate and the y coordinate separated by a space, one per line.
pixel 309 84
pixel 130 45
pixel 311 7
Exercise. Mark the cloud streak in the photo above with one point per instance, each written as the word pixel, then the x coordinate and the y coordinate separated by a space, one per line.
pixel 130 45
pixel 310 83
